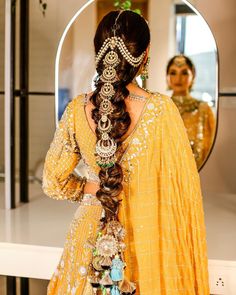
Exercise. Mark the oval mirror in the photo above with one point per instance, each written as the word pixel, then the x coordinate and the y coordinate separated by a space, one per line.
pixel 180 38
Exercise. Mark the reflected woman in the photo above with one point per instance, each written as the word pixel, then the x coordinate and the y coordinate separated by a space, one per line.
pixel 139 227
pixel 198 117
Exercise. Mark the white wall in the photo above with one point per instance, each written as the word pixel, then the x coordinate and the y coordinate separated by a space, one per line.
pixel 221 16
pixel 161 18
pixel 45 33
pixel 83 50
pixel 218 175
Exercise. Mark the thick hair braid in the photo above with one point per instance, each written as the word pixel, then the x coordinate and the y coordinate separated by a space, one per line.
pixel 111 178
pixel 134 31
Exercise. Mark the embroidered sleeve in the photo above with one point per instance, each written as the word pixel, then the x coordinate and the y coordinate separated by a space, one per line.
pixel 59 181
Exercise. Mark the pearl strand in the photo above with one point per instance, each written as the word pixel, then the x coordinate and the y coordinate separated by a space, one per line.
pixel 117 41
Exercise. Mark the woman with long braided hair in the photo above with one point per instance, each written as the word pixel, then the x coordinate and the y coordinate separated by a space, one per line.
pixel 139 227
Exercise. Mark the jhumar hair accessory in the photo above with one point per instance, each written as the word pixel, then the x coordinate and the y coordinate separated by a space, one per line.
pixel 179 61
pixel 117 41
pixel 107 268
pixel 106 146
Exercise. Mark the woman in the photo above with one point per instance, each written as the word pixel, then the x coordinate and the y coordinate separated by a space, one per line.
pixel 197 115
pixel 139 227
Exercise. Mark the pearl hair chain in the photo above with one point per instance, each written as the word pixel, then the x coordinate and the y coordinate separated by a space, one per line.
pixel 117 41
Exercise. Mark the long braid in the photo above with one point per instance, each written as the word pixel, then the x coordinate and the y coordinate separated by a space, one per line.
pixel 111 178
pixel 118 60
pixel 116 23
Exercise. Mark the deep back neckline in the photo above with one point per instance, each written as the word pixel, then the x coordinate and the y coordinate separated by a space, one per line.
pixel 132 133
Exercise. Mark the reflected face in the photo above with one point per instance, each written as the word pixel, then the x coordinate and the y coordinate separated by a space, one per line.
pixel 180 79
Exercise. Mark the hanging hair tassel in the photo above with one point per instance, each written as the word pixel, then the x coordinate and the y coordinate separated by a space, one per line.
pixel 106 262
pixel 106 280
pixel 117 269
pixel 94 280
pixel 96 263
pixel 115 290
pixel 104 291
pixel 127 287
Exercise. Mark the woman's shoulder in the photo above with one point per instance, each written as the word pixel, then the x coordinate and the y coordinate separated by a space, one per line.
pixel 77 101
pixel 204 105
pixel 162 100
pixel 158 107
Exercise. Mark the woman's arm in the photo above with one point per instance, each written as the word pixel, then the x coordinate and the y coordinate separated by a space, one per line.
pixel 59 181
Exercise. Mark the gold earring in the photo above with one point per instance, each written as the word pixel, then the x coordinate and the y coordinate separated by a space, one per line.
pixel 144 73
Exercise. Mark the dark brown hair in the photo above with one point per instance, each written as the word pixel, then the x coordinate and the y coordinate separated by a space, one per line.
pixel 134 31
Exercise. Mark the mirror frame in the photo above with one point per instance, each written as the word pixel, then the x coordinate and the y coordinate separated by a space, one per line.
pixel 191 6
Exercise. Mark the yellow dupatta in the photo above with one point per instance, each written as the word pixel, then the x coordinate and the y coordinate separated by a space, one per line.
pixel 162 206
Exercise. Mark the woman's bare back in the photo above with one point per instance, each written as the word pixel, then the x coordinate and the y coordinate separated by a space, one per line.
pixel 135 108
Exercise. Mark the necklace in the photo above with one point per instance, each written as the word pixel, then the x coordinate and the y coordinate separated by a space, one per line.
pixel 186 104
pixel 134 96
pixel 131 96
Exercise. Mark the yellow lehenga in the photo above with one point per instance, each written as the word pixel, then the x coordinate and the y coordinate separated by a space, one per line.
pixel 199 122
pixel 161 206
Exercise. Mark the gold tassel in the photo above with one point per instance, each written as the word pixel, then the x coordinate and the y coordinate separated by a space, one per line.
pixel 106 261
pixel 94 280
pixel 96 262
pixel 106 280
pixel 126 287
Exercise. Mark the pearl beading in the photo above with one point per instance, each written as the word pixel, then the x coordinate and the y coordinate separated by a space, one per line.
pixel 117 41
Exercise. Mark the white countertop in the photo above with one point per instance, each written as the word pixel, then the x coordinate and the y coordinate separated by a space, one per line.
pixel 42 221
pixel 32 235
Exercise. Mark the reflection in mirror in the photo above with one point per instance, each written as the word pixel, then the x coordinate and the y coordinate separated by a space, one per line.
pixel 192 80
pixel 176 29
pixel 197 115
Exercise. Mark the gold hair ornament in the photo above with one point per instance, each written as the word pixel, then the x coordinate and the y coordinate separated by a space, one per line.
pixel 106 146
pixel 119 43
pixel 179 61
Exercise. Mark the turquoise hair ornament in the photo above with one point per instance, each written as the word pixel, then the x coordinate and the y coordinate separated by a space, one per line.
pixel 115 290
pixel 117 269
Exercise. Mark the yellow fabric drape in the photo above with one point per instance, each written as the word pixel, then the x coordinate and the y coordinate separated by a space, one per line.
pixel 161 205
pixel 200 126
